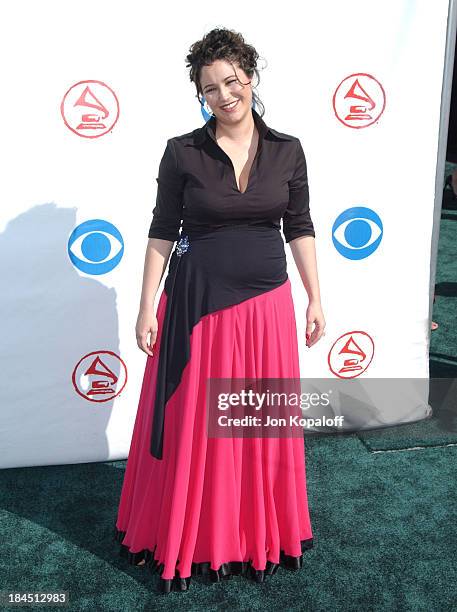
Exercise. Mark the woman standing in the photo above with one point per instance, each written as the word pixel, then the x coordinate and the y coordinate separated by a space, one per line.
pixel 192 504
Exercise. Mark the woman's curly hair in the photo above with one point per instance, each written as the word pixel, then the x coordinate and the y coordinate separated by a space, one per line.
pixel 223 44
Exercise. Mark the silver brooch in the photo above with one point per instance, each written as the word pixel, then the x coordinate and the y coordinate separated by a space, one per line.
pixel 182 246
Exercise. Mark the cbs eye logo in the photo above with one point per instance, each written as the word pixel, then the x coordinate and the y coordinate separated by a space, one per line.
pixel 357 232
pixel 95 247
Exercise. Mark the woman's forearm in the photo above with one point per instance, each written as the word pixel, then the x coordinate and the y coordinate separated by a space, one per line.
pixel 304 252
pixel 156 260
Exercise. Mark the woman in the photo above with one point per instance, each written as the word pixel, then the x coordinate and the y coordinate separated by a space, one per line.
pixel 194 504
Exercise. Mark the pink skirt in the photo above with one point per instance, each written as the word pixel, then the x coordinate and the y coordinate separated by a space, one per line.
pixel 217 506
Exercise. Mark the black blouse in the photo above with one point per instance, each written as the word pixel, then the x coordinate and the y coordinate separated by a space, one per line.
pixel 197 187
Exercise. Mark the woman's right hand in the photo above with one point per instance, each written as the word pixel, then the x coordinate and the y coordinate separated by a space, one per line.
pixel 146 323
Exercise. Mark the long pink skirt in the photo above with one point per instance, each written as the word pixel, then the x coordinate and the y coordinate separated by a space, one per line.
pixel 218 506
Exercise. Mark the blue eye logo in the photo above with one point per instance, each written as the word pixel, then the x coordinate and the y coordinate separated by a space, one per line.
pixel 95 247
pixel 206 115
pixel 357 232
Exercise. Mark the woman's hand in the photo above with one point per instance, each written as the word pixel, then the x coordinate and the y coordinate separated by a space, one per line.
pixel 314 315
pixel 146 323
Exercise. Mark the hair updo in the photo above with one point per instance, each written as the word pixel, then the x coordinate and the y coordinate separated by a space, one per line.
pixel 223 44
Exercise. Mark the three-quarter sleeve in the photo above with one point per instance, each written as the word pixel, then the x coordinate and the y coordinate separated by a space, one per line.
pixel 297 218
pixel 167 213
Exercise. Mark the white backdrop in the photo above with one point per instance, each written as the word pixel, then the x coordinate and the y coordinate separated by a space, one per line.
pixel 90 96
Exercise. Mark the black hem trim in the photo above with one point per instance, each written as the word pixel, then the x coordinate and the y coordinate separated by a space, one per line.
pixel 225 571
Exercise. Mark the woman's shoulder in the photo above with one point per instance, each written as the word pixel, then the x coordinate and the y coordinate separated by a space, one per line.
pixel 188 137
pixel 282 135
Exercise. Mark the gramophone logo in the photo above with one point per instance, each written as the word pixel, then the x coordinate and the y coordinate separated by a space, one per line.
pixel 359 100
pixel 90 109
pixel 100 376
pixel 351 354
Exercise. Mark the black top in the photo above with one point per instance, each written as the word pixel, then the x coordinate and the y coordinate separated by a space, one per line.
pixel 197 185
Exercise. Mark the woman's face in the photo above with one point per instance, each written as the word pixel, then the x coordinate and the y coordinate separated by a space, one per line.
pixel 220 86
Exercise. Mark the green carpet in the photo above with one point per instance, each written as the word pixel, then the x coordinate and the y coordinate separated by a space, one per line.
pixel 433 431
pixel 384 523
pixel 384 526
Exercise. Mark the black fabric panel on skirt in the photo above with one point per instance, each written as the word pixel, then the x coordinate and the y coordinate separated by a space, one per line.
pixel 210 270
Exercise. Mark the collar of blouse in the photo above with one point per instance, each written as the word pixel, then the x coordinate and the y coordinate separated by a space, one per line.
pixel 209 130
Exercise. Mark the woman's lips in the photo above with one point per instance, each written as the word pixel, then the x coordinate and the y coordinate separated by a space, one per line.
pixel 230 108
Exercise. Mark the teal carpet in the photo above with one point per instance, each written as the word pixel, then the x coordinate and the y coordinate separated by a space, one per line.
pixel 383 513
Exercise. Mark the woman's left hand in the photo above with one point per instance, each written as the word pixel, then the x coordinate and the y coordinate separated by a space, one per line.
pixel 314 315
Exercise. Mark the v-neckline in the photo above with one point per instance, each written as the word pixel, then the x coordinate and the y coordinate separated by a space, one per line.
pixel 249 175
pixel 261 128
pixel 233 167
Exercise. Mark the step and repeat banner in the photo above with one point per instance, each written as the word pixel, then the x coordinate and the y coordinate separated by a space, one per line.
pixel 86 116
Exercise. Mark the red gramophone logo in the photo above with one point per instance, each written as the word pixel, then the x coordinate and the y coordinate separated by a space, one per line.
pixel 351 354
pixel 359 100
pixel 100 376
pixel 90 109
